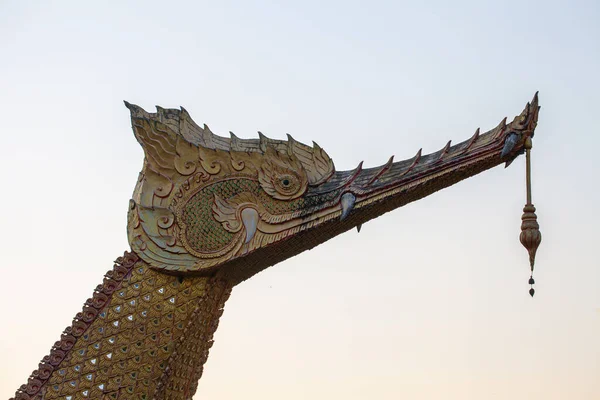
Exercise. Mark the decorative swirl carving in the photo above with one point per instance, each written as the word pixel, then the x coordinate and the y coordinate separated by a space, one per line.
pixel 33 386
pixel 166 221
pixel 44 371
pixel 66 342
pixel 78 328
pixel 99 300
pixel 212 161
pixel 317 163
pixel 182 158
pixel 161 183
pixel 186 158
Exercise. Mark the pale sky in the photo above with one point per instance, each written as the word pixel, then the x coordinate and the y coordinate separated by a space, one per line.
pixel 427 302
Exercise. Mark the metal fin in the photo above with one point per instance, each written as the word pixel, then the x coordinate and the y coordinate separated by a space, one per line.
pixel 501 127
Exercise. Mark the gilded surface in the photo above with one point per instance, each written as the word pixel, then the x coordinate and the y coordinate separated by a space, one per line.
pixel 186 214
pixel 151 334
pixel 226 208
pixel 203 200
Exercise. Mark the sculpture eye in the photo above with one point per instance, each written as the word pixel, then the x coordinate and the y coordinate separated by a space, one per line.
pixel 287 184
pixel 282 177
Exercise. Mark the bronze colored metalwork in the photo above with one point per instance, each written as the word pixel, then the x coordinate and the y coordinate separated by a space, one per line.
pixel 209 212
pixel 530 237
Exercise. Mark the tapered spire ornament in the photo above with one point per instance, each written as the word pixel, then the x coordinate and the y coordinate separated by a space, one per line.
pixel 530 237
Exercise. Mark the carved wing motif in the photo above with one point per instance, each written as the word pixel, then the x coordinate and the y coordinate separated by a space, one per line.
pixel 187 210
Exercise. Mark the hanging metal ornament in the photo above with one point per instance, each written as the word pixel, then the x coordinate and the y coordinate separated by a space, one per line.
pixel 530 237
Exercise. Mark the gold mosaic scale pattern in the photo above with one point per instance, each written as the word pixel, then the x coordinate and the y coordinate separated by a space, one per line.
pixel 126 352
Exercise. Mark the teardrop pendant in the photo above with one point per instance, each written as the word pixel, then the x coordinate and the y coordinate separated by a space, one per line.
pixel 530 237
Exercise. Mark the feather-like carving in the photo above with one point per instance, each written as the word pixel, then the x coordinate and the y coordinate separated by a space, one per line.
pixel 235 143
pixel 187 157
pixel 228 212
pixel 158 142
pixel 317 163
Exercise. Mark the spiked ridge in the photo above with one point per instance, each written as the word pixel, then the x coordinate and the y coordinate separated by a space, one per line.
pixel 204 201
pixel 209 212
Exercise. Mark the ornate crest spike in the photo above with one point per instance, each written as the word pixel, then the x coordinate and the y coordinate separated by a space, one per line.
pixel 209 212
pixel 530 237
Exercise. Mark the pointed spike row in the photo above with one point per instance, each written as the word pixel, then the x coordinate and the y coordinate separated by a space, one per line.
pixel 472 141
pixel 357 171
pixel 354 174
pixel 184 115
pixel 500 128
pixel 160 113
pixel 264 141
pixel 383 169
pixel 291 142
pixel 135 110
pixel 415 161
pixel 319 152
pixel 234 142
pixel 444 151
pixel 529 115
pixel 208 137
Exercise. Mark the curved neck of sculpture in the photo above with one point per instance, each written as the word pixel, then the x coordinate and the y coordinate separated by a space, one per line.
pixel 143 332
